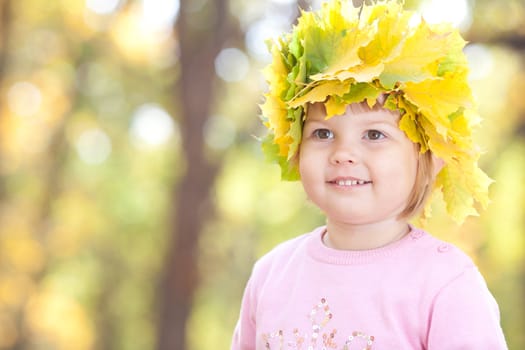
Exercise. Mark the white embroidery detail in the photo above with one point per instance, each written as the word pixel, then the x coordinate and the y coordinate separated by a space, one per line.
pixel 320 316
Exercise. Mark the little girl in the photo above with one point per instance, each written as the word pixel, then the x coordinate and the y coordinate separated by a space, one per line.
pixel 372 111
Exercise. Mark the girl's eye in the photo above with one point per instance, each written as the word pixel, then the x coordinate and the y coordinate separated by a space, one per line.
pixel 374 135
pixel 323 134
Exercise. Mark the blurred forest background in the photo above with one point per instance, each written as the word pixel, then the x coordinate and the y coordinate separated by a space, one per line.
pixel 134 198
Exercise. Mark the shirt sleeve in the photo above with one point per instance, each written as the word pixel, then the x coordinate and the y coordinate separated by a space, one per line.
pixel 465 315
pixel 244 334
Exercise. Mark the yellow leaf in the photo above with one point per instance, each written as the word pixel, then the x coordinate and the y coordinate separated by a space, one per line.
pixel 392 28
pixel 275 112
pixel 458 199
pixel 361 73
pixel 479 185
pixel 337 36
pixel 408 125
pixel 335 106
pixel 320 93
pixel 276 73
pixel 416 60
pixel 439 98
pixel 284 144
pixel 446 147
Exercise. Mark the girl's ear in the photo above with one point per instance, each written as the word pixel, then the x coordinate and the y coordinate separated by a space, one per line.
pixel 437 165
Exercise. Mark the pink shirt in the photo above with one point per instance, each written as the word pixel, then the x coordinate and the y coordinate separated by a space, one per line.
pixel 416 293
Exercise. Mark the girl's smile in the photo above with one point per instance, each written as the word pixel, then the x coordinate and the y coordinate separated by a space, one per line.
pixel 348 182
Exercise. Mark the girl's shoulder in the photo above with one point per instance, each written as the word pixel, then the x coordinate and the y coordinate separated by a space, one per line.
pixel 439 257
pixel 440 249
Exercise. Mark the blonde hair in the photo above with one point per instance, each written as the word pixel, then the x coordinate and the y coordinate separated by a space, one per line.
pixel 422 186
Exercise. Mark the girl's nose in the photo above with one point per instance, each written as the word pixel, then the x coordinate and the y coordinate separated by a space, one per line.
pixel 343 155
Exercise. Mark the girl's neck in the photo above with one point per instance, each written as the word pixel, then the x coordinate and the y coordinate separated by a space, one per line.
pixel 343 236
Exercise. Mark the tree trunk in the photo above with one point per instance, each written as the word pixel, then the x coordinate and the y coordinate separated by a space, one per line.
pixel 199 45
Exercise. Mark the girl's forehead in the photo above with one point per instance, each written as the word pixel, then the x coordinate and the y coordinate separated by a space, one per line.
pixel 317 112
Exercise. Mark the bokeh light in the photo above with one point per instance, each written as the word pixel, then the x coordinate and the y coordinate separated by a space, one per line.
pixel 260 31
pixel 93 146
pixel 102 7
pixel 481 61
pixel 219 132
pixel 456 12
pixel 159 15
pixel 232 65
pixel 24 99
pixel 152 126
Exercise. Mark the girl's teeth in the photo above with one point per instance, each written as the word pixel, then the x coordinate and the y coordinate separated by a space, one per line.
pixel 350 182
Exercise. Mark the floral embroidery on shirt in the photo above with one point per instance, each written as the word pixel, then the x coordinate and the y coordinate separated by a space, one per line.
pixel 317 338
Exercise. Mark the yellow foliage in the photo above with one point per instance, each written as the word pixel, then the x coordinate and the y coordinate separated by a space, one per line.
pixel 60 321
pixel 134 41
pixel 23 253
pixel 416 61
pixel 438 98
pixel 15 287
pixel 320 93
pixel 341 55
pixel 79 221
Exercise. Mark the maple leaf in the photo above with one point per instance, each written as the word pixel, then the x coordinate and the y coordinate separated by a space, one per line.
pixel 459 202
pixel 392 28
pixel 341 55
pixel 320 93
pixel 360 73
pixel 289 170
pixel 416 59
pixel 333 43
pixel 337 104
pixel 295 132
pixel 409 121
pixel 440 98
pixel 274 113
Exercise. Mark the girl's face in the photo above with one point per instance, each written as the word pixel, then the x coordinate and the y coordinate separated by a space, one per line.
pixel 358 168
